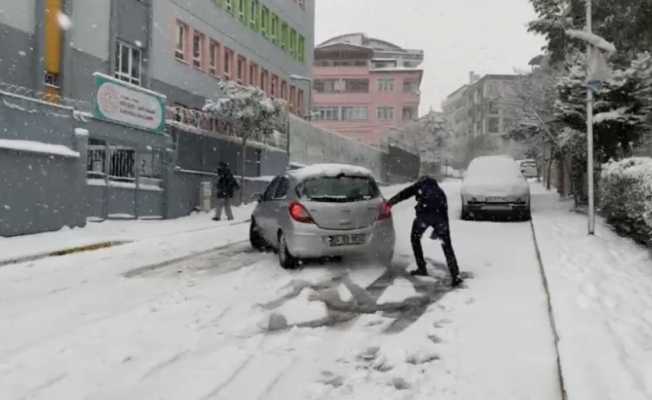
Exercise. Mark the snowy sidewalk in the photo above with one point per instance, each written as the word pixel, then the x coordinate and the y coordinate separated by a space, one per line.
pixel 601 289
pixel 22 248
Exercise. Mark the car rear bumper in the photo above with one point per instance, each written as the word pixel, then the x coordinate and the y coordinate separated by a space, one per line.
pixel 310 241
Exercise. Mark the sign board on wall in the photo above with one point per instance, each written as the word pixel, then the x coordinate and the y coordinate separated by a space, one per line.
pixel 124 103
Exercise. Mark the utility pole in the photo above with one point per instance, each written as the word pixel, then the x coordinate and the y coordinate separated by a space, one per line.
pixel 589 126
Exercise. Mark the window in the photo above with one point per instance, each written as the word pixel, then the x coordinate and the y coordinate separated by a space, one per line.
pixel 128 63
pixel 273 90
pixel 264 81
pixel 253 15
pixel 385 113
pixel 213 58
pixel 340 189
pixel 300 102
pixel 356 85
pixel 411 86
pixel 274 28
pixel 293 43
pixel 327 113
pixel 228 63
pixel 253 74
pixel 228 4
pixel 284 36
pixel 241 72
pixel 301 50
pixel 494 125
pixel 284 90
pixel 493 108
pixel 282 189
pixel 198 49
pixel 182 41
pixel 242 10
pixel 293 99
pixel 264 21
pixel 386 85
pixel 409 113
pixel 355 113
pixel 384 64
pixel 271 189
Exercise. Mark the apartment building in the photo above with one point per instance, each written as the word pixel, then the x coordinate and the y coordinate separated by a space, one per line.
pixel 363 86
pixel 484 106
pixel 174 47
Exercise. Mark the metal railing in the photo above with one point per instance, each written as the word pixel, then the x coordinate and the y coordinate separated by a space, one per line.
pixel 45 96
pixel 207 124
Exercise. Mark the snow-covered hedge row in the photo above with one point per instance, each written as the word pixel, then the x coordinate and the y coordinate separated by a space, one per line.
pixel 626 197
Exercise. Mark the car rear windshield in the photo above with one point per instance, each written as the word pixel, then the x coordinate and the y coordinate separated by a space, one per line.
pixel 339 189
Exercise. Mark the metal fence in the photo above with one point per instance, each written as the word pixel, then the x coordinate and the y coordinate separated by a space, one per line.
pixel 123 164
pixel 46 96
pixel 208 124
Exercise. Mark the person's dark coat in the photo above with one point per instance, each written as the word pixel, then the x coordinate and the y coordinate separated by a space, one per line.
pixel 226 183
pixel 432 205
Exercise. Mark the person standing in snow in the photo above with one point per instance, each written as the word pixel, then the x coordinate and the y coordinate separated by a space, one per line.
pixel 431 211
pixel 226 187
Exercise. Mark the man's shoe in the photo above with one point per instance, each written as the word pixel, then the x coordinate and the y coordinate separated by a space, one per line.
pixel 419 272
pixel 215 219
pixel 456 281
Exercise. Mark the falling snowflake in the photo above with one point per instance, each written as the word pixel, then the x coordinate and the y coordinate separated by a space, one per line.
pixel 22 53
pixel 64 21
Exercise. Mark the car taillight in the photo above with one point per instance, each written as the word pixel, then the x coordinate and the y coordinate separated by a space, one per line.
pixel 385 211
pixel 299 213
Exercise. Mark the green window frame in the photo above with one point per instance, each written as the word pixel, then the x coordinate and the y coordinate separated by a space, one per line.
pixel 293 43
pixel 284 36
pixel 264 21
pixel 228 5
pixel 274 28
pixel 242 10
pixel 301 51
pixel 254 19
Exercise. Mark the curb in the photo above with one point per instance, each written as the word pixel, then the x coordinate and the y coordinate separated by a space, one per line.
pixel 551 313
pixel 63 252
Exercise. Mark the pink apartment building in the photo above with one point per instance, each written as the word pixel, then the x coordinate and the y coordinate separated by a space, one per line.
pixel 364 86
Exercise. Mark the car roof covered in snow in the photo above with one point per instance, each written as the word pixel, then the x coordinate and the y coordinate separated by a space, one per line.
pixel 329 170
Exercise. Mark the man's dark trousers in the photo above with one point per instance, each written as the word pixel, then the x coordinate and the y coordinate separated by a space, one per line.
pixel 442 232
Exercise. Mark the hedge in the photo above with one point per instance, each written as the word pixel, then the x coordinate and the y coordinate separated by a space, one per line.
pixel 626 197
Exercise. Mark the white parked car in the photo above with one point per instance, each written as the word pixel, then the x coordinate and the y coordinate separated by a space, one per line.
pixel 326 210
pixel 495 185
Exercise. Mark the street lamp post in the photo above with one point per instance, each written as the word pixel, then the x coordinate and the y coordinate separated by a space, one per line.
pixel 300 78
pixel 589 128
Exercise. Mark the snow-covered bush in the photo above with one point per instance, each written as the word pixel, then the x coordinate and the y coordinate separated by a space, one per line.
pixel 626 197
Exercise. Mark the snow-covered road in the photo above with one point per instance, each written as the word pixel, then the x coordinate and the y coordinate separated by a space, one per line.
pixel 122 323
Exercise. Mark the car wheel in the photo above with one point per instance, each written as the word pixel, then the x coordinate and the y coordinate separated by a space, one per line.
pixel 287 260
pixel 255 238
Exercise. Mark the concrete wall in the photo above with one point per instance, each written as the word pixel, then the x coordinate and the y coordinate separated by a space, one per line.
pixel 40 192
pixel 18 54
pixel 310 144
pixel 90 28
pixel 20 15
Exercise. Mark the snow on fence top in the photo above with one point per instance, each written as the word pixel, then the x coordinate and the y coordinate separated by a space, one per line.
pixel 330 170
pixel 30 146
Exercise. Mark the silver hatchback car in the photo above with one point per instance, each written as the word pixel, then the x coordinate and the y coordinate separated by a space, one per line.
pixel 324 210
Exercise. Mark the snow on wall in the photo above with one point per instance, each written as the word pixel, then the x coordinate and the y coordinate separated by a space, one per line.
pixel 30 146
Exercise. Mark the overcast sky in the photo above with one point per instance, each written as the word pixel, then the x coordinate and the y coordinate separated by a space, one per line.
pixel 457 36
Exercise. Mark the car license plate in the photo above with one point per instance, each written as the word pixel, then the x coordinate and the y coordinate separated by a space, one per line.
pixel 347 240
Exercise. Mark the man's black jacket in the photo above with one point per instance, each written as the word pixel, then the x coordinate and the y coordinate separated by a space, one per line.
pixel 431 199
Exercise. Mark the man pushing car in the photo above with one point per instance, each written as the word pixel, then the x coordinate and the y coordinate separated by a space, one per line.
pixel 431 211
